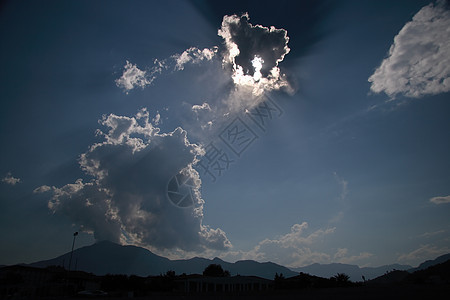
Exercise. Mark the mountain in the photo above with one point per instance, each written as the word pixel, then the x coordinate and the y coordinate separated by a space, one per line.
pixel 107 257
pixel 434 271
pixel 373 272
pixel 429 263
pixel 354 271
pixel 328 270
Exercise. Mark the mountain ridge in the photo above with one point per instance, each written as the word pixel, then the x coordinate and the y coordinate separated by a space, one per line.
pixel 107 257
pixel 355 272
pixel 110 258
pixel 431 262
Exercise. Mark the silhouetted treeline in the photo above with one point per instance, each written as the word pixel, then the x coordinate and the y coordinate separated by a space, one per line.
pixel 29 282
pixel 304 281
pixel 437 274
pixel 215 270
pixel 116 284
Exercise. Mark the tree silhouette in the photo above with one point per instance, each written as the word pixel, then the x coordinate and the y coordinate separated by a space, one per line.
pixel 170 274
pixel 279 277
pixel 215 270
pixel 279 281
pixel 341 279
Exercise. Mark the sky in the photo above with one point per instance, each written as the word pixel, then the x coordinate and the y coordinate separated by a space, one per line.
pixel 296 132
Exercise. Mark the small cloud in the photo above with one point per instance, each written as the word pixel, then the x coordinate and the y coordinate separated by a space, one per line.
pixel 194 55
pixel 440 199
pixel 424 252
pixel 42 189
pixel 133 77
pixel 338 217
pixel 204 106
pixel 431 234
pixel 293 249
pixel 9 179
pixel 157 119
pixel 208 125
pixel 418 63
pixel 344 185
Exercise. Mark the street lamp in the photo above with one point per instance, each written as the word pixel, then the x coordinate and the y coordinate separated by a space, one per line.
pixel 73 244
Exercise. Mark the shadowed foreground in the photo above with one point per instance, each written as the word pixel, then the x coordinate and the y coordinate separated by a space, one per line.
pixel 402 292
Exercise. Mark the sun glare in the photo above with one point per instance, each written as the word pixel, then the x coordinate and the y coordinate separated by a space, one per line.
pixel 257 63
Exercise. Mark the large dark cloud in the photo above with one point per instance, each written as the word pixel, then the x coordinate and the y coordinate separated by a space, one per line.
pixel 303 19
pixel 270 44
pixel 254 52
pixel 127 200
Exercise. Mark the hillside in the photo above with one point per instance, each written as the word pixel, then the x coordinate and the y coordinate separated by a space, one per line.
pixel 107 257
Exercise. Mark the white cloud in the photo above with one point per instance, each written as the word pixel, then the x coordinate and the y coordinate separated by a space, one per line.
pixel 204 106
pixel 424 252
pixel 157 119
pixel 127 199
pixel 133 77
pixel 440 199
pixel 194 55
pixel 293 249
pixel 43 189
pixel 254 52
pixel 296 249
pixel 418 63
pixel 9 179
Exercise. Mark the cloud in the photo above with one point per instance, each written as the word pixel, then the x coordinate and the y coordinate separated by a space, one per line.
pixel 418 63
pixel 133 77
pixel 127 199
pixel 431 234
pixel 296 249
pixel 204 106
pixel 341 256
pixel 194 55
pixel 344 185
pixel 42 189
pixel 157 119
pixel 254 52
pixel 292 249
pixel 424 252
pixel 440 199
pixel 9 179
pixel 250 70
pixel 337 217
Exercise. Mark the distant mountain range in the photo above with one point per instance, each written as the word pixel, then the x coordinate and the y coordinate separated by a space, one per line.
pixel 429 263
pixel 354 271
pixel 107 257
pixel 435 272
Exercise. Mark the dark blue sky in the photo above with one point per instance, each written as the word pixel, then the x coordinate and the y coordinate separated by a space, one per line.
pixel 349 170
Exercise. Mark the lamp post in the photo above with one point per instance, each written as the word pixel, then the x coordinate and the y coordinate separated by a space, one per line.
pixel 71 252
pixel 70 262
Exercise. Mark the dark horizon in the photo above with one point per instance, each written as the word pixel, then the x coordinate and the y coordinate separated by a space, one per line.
pixel 293 132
